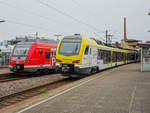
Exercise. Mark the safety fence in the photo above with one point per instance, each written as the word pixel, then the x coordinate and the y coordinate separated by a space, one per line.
pixel 4 59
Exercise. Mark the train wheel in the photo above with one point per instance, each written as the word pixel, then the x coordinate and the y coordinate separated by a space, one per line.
pixel 89 72
pixel 52 70
pixel 97 69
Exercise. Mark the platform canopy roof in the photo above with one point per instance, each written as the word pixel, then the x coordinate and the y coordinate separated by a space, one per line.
pixel 144 45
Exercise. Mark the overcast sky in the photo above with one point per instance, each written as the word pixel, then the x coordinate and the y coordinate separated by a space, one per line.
pixel 88 17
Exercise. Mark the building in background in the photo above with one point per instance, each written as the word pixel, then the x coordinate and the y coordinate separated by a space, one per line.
pixel 147 42
pixel 130 43
pixel 5 50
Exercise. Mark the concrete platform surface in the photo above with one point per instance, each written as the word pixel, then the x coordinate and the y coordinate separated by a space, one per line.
pixel 124 90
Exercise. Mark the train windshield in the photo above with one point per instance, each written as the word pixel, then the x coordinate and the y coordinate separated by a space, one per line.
pixel 20 51
pixel 70 47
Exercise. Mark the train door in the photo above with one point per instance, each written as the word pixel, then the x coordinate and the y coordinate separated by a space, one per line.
pixel 93 56
pixel 47 57
pixel 53 57
pixel 86 58
pixel 41 57
pixel 111 58
pixel 100 59
pixel 90 57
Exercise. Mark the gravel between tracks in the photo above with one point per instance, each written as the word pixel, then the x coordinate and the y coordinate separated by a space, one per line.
pixel 12 87
pixel 4 71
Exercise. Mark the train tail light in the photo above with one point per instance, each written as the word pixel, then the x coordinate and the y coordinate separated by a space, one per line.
pixel 76 61
pixel 57 60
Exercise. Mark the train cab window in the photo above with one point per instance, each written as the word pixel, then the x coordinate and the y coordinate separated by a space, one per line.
pixel 40 51
pixel 86 50
pixel 47 54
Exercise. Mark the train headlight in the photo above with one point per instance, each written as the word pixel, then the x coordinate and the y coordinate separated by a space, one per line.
pixel 18 67
pixel 76 61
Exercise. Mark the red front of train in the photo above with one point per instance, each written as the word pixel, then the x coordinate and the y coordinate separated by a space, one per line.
pixel 33 56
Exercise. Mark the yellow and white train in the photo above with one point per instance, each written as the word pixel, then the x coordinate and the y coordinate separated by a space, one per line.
pixel 79 56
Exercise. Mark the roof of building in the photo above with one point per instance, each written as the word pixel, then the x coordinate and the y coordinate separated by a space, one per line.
pixel 144 45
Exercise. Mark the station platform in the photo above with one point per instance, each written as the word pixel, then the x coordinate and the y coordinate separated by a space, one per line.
pixel 119 90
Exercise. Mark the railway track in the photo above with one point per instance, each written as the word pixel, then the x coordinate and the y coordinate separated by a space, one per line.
pixel 20 96
pixel 12 77
pixel 9 77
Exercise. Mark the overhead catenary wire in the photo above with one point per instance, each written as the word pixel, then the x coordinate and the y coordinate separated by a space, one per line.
pixel 67 15
pixel 99 37
pixel 29 12
pixel 28 25
pixel 86 9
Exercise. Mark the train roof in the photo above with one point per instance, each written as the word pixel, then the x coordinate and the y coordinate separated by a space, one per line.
pixel 45 44
pixel 91 41
pixel 38 44
pixel 24 43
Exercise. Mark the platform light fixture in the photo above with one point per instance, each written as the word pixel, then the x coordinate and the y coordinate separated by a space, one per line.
pixel 2 21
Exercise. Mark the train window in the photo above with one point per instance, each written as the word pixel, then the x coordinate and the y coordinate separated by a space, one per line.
pixel 114 57
pixel 100 54
pixel 40 51
pixel 119 56
pixel 86 50
pixel 47 54
pixel 106 57
pixel 53 51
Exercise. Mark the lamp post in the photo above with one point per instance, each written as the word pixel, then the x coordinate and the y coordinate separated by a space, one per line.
pixel 2 21
pixel 57 35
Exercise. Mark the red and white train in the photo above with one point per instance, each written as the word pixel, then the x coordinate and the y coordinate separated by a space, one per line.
pixel 33 57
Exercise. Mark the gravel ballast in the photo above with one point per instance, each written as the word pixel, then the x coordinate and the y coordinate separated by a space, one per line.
pixel 11 87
